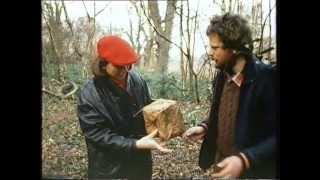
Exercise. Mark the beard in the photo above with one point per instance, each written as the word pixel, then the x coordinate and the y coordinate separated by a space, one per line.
pixel 227 66
pixel 219 66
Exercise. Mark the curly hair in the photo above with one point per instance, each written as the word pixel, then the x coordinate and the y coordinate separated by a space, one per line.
pixel 233 30
pixel 97 66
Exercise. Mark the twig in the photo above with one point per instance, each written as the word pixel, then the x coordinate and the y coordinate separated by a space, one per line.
pixel 67 17
pixel 75 88
pixel 51 93
pixel 102 10
pixel 194 36
pixel 267 50
pixel 262 28
pixel 56 81
pixel 155 29
pixel 52 40
pixel 85 7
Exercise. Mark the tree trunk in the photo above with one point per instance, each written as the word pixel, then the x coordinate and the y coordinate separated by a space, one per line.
pixel 196 89
pixel 148 49
pixel 182 70
pixel 270 35
pixel 262 27
pixel 230 5
pixel 253 19
pixel 53 20
pixel 163 46
pixel 190 74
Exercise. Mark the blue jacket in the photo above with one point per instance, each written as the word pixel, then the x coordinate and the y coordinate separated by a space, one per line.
pixel 255 133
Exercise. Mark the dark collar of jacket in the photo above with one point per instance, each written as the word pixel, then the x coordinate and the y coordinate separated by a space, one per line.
pixel 105 82
pixel 250 70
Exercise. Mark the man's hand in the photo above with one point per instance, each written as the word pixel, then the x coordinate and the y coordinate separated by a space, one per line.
pixel 147 142
pixel 232 167
pixel 194 133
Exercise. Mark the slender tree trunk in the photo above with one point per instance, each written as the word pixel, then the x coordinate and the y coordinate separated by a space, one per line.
pixel 189 58
pixel 270 34
pixel 182 70
pixel 196 89
pixel 253 19
pixel 148 49
pixel 195 74
pixel 230 5
pixel 164 50
pixel 262 27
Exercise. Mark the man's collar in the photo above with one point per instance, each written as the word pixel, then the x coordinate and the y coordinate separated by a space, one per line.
pixel 237 78
pixel 238 68
pixel 250 70
pixel 248 73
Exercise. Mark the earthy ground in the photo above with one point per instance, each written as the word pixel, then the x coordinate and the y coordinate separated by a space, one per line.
pixel 64 152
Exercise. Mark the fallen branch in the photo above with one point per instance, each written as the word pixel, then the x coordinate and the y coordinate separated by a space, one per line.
pixel 75 88
pixel 58 82
pixel 51 93
pixel 61 93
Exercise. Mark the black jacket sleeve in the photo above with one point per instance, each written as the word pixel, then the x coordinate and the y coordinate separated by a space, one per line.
pixel 97 129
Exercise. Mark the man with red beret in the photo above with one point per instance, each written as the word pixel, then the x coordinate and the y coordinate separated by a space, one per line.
pixel 108 110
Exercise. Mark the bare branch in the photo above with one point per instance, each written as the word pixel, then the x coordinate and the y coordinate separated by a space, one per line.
pixel 52 41
pixel 181 24
pixel 130 33
pixel 71 29
pixel 51 93
pixel 85 7
pixel 67 17
pixel 155 29
pixel 267 50
pixel 96 14
pixel 263 25
pixel 74 89
pixel 194 35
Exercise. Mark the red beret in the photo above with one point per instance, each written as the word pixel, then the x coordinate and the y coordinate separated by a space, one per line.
pixel 117 51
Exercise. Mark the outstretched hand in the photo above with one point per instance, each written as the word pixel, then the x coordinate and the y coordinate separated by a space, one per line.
pixel 148 142
pixel 194 134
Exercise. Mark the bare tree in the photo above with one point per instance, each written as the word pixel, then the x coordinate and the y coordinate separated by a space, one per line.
pixel 230 6
pixel 135 35
pixel 147 45
pixel 52 19
pixel 163 32
pixel 270 38
pixel 193 76
pixel 261 27
pixel 182 69
pixel 263 24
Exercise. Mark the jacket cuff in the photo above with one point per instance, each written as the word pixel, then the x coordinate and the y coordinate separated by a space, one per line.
pixel 204 125
pixel 133 145
pixel 250 157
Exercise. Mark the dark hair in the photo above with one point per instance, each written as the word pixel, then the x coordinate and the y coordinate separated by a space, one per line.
pixel 233 30
pixel 98 66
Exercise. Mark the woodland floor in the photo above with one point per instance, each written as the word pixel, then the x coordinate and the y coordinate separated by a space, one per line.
pixel 64 152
